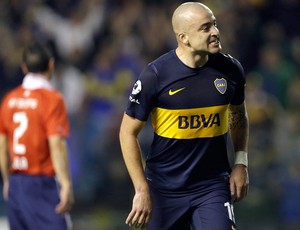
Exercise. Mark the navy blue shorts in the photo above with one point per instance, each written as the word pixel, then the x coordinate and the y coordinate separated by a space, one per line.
pixel 31 204
pixel 208 208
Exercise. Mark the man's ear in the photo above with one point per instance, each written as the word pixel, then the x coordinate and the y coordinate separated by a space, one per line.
pixel 51 64
pixel 24 68
pixel 184 38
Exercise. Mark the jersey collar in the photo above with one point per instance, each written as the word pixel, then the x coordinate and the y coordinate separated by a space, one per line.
pixel 33 81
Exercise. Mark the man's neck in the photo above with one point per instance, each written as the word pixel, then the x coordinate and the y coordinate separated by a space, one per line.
pixel 191 59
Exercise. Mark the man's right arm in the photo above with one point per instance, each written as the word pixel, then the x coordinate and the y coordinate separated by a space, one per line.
pixel 141 206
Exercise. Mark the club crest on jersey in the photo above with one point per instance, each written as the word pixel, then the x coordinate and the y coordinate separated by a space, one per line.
pixel 221 85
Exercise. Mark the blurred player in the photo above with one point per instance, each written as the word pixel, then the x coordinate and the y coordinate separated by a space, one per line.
pixel 195 95
pixel 33 128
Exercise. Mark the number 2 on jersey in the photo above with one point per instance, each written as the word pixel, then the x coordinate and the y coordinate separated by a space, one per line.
pixel 22 120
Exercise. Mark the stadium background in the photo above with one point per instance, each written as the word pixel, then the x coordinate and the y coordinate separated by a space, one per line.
pixel 101 46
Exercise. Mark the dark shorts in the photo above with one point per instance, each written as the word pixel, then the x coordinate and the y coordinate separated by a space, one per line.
pixel 207 208
pixel 31 204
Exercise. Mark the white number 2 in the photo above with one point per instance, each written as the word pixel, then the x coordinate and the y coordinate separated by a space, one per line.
pixel 22 120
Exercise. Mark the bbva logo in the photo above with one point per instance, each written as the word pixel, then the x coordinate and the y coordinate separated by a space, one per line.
pixel 196 121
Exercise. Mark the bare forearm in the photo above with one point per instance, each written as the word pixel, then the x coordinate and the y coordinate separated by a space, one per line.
pixel 4 158
pixel 239 127
pixel 131 151
pixel 133 160
pixel 59 156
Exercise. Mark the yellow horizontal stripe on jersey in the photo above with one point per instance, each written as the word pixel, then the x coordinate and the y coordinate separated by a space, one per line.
pixel 190 123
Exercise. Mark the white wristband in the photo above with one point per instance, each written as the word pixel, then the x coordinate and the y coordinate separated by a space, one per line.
pixel 241 157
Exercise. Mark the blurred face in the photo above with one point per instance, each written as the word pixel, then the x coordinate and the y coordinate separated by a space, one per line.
pixel 203 35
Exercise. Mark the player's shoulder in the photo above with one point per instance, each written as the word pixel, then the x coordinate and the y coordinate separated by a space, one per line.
pixel 53 93
pixel 166 57
pixel 49 93
pixel 226 64
pixel 20 91
pixel 165 66
pixel 225 59
pixel 11 93
pixel 164 61
pixel 50 99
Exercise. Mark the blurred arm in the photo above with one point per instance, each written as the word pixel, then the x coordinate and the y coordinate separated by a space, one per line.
pixel 4 164
pixel 59 156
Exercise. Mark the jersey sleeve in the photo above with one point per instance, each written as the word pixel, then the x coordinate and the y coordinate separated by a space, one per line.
pixel 239 95
pixel 2 129
pixel 57 119
pixel 4 116
pixel 143 97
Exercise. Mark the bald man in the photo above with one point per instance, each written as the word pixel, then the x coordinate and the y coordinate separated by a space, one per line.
pixel 195 95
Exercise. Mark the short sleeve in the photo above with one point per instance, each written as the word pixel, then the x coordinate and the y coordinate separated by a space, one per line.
pixel 2 128
pixel 57 119
pixel 143 97
pixel 239 95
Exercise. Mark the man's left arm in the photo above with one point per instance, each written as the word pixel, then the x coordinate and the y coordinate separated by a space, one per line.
pixel 4 164
pixel 239 131
pixel 59 156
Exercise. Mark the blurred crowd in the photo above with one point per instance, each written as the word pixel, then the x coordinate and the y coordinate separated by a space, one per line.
pixel 100 48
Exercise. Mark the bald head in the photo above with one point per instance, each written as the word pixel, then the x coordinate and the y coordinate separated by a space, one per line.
pixel 185 14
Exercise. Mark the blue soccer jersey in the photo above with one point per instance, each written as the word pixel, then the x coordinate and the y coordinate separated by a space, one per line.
pixel 189 113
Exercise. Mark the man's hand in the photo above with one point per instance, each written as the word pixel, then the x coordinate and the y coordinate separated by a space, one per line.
pixel 239 182
pixel 66 200
pixel 141 210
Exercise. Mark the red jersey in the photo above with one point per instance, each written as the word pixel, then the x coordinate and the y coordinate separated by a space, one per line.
pixel 29 114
